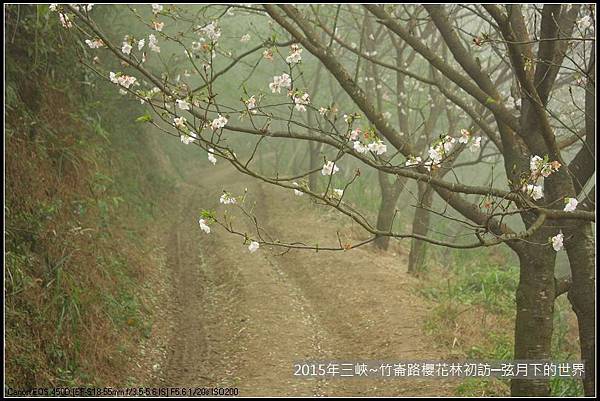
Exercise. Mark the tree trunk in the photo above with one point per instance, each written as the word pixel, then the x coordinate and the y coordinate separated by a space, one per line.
pixel 315 161
pixel 535 311
pixel 298 163
pixel 420 226
pixel 387 209
pixel 579 243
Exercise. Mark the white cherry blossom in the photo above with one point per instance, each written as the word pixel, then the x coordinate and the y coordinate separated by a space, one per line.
pixel 570 204
pixel 211 156
pixel 251 104
pixel 535 164
pixel 294 56
pixel 377 147
pixel 182 104
pixel 359 147
pixel 464 136
pixel 227 199
pixel 329 168
pixel 557 241
pixel 156 8
pixel 355 134
pixel 126 48
pixel 413 161
pixel 211 31
pixel 281 81
pixel 187 138
pixel 153 43
pixel 203 226
pixel 253 247
pixel 436 154
pixel 475 144
pixel 65 21
pixel 297 192
pixel 300 102
pixel 218 122
pixel 536 192
pixel 158 26
pixel 94 44
pixel 448 143
pixel 268 55
pixel 179 122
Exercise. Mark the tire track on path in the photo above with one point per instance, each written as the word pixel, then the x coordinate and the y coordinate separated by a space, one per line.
pixel 243 319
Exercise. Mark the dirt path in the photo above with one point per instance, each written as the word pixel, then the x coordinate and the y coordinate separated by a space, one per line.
pixel 242 320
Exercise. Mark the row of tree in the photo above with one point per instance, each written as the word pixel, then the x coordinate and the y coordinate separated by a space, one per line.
pixel 431 94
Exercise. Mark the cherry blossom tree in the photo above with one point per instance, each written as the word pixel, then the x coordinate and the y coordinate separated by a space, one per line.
pixel 512 82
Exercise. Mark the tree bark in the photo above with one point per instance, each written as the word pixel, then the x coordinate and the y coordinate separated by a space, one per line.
pixel 420 226
pixel 315 161
pixel 535 311
pixel 390 192
pixel 579 243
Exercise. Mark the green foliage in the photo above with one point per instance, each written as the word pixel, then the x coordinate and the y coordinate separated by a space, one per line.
pixel 144 118
pixel 208 215
pixel 476 282
pixel 89 178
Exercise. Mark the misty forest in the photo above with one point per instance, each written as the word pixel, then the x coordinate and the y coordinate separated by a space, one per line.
pixel 240 199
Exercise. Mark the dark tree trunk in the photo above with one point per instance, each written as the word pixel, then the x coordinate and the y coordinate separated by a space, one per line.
pixel 535 309
pixel 315 161
pixel 579 243
pixel 416 258
pixel 390 192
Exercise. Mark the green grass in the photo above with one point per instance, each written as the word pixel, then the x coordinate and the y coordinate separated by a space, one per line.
pixel 475 283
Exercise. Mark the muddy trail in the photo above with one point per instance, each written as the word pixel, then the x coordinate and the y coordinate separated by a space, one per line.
pixel 232 318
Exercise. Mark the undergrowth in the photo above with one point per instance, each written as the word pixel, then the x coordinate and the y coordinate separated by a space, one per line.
pixel 474 312
pixel 80 191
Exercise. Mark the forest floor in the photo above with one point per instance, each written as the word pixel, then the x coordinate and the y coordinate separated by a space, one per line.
pixel 230 318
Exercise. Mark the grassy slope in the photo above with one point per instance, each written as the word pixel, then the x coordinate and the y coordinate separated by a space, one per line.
pixel 80 191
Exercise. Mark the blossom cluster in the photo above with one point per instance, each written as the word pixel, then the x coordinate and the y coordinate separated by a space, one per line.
pixel 466 138
pixel 156 8
pixel 94 44
pixel 557 241
pixel 182 104
pixel 443 147
pixel 251 104
pixel 211 31
pixel 125 81
pixel 329 168
pixel 280 81
pixel 300 101
pixel 129 43
pixel 188 137
pixel 65 21
pixel 211 156
pixel 203 226
pixel 227 199
pixel 539 168
pixel 439 151
pixel 370 142
pixel 179 122
pixel 294 56
pixel 297 192
pixel 218 123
